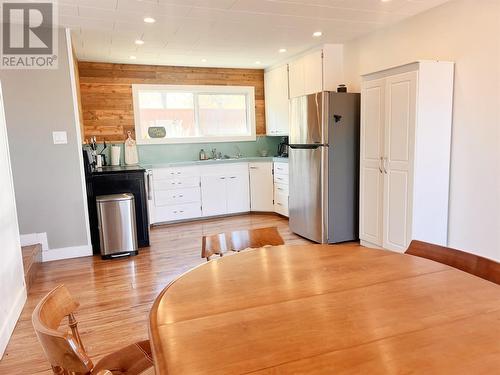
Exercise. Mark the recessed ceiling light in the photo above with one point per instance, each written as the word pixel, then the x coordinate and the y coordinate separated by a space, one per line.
pixel 139 42
pixel 317 33
pixel 282 50
pixel 149 20
pixel 258 62
pixel 133 57
pixel 203 60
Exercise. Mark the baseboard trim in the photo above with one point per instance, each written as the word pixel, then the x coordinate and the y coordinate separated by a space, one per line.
pixel 11 321
pixel 370 245
pixel 35 238
pixel 66 253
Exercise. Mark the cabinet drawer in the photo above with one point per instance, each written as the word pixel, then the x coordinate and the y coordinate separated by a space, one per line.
pixel 281 189
pixel 177 183
pixel 177 196
pixel 281 168
pixel 229 169
pixel 175 172
pixel 280 179
pixel 281 204
pixel 177 212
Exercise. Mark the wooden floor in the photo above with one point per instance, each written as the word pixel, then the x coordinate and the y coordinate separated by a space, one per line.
pixel 116 295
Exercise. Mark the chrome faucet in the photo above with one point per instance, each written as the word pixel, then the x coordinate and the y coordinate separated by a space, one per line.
pixel 238 152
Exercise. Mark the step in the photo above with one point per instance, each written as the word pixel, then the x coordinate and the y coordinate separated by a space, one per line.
pixel 32 259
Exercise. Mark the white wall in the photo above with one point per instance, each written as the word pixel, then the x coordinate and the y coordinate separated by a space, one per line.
pixel 468 33
pixel 12 287
pixel 47 178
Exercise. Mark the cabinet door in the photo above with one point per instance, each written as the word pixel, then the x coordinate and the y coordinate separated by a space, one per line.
pixel 261 186
pixel 313 72
pixel 400 109
pixel 213 195
pixel 238 193
pixel 371 172
pixel 276 88
pixel 296 75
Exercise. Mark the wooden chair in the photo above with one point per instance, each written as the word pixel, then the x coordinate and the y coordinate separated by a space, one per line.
pixel 213 245
pixel 470 263
pixel 239 240
pixel 65 351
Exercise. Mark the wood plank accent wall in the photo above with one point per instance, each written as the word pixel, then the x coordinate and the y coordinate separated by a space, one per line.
pixel 106 92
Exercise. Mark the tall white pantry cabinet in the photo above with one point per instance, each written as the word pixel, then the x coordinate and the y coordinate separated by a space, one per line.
pixel 406 118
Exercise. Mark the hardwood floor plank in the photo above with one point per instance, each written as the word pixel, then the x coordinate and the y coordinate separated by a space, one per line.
pixel 116 295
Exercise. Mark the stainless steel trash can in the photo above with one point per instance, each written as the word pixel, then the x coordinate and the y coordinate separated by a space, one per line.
pixel 117 227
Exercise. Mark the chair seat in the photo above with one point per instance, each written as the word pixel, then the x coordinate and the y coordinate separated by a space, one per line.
pixel 134 359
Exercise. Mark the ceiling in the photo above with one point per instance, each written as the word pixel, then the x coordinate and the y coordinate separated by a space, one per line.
pixel 224 33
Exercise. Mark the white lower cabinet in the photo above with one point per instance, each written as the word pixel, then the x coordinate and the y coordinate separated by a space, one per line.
pixel 238 193
pixel 281 188
pixel 261 186
pixel 189 192
pixel 176 194
pixel 225 189
pixel 213 195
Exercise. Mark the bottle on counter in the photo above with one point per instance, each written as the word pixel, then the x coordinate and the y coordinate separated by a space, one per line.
pixel 203 155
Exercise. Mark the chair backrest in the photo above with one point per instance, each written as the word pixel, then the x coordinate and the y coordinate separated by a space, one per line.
pixel 253 238
pixel 240 240
pixel 215 244
pixel 64 350
pixel 470 263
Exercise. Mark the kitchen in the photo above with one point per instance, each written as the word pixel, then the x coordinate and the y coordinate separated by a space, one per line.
pixel 250 175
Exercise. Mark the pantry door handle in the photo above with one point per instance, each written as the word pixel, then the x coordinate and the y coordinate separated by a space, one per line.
pixel 380 164
pixel 385 168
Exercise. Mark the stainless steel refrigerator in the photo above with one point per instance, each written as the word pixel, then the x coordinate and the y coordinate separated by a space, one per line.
pixel 324 166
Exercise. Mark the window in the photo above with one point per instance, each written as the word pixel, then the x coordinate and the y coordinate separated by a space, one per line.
pixel 186 114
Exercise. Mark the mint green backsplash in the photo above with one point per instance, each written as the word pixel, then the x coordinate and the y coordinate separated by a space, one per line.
pixel 158 154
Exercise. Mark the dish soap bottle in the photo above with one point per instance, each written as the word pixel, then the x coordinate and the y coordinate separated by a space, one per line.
pixel 203 156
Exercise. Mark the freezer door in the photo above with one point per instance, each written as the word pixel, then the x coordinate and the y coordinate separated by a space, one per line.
pixel 306 120
pixel 307 192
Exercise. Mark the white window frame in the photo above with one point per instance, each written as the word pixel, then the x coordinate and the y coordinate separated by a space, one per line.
pixel 248 91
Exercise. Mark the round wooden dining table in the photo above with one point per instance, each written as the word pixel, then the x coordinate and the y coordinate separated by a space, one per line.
pixel 319 309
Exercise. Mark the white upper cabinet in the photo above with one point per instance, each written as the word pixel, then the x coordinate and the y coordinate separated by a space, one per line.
pixel 276 97
pixel 261 186
pixel 320 70
pixel 406 117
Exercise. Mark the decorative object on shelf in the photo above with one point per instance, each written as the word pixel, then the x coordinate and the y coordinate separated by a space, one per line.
pixel 131 157
pixel 157 132
pixel 342 88
pixel 115 155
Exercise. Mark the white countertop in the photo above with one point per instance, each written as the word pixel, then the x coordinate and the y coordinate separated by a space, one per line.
pixel 254 159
